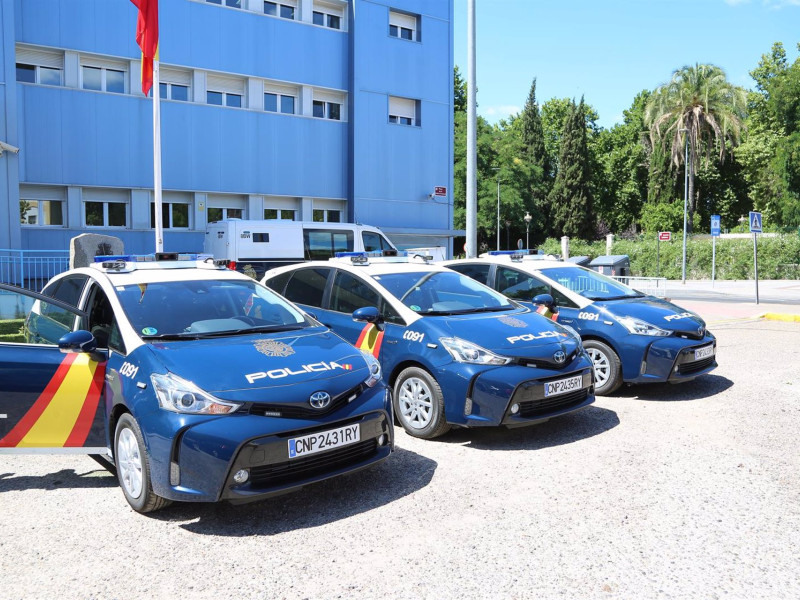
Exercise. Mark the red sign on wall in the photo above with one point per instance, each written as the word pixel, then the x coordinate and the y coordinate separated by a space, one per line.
pixel 440 190
pixel 664 236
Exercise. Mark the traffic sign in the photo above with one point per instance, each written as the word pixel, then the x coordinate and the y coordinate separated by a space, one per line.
pixel 715 228
pixel 755 222
pixel 664 236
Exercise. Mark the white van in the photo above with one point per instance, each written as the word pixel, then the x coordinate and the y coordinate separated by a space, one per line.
pixel 262 245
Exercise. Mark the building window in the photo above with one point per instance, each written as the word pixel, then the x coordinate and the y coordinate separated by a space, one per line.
pixel 103 79
pixel 39 74
pixel 403 111
pixel 327 216
pixel 173 215
pixel 224 99
pixel 105 214
pixel 41 212
pixel 275 102
pixel 280 213
pixel 327 110
pixel 230 3
pixel 225 91
pixel 218 214
pixel 404 26
pixel 327 20
pixel 275 9
pixel 174 91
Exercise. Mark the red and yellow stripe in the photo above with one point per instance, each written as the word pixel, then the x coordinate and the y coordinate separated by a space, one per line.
pixel 370 339
pixel 63 414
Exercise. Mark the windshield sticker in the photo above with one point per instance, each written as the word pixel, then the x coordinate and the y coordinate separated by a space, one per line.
pixel 273 348
pixel 683 315
pixel 149 331
pixel 302 370
pixel 415 307
pixel 512 322
pixel 529 337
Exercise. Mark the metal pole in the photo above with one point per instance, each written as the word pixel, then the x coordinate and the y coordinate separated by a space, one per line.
pixel 658 256
pixel 472 159
pixel 498 212
pixel 713 258
pixel 755 262
pixel 157 157
pixel 685 202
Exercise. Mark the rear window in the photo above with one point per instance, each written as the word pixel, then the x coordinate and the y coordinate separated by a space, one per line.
pixel 307 286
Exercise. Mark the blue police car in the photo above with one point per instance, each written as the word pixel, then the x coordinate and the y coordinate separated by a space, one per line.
pixel 631 337
pixel 455 351
pixel 199 383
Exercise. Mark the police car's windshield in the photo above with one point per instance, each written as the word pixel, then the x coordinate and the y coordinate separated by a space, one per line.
pixel 590 284
pixel 442 293
pixel 206 308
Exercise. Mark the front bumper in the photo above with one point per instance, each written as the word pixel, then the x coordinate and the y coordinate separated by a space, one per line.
pixel 196 463
pixel 673 360
pixel 491 394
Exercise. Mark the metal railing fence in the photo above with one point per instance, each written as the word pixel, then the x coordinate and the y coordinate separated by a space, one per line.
pixel 31 269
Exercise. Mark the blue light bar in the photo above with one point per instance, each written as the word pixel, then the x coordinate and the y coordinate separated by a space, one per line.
pixel 159 256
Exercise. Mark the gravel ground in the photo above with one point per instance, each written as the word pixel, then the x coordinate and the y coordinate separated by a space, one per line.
pixel 687 491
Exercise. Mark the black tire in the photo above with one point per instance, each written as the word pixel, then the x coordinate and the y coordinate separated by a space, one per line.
pixel 419 404
pixel 133 467
pixel 607 368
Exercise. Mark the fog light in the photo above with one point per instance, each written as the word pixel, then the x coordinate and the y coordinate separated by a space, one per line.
pixel 381 439
pixel 241 476
pixel 643 368
pixel 514 409
pixel 468 407
pixel 174 473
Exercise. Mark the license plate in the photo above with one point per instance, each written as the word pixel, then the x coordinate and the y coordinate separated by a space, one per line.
pixel 704 352
pixel 324 440
pixel 562 386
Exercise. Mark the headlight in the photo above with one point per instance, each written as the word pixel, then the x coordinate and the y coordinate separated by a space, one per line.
pixel 467 352
pixel 374 369
pixel 181 396
pixel 640 327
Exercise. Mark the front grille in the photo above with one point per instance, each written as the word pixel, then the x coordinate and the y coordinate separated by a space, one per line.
pixel 307 467
pixel 304 411
pixel 545 406
pixel 696 366
pixel 545 363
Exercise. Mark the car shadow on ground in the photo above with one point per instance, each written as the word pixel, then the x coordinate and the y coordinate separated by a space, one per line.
pixel 403 473
pixel 65 478
pixel 592 420
pixel 703 387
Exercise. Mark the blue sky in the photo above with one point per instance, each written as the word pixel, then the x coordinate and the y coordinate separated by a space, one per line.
pixel 610 50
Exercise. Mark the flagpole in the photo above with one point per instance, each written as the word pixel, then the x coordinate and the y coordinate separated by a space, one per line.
pixel 157 157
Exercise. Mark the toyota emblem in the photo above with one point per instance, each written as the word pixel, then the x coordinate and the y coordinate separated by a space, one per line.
pixel 319 400
pixel 560 357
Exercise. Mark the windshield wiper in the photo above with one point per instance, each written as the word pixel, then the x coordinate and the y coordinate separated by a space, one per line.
pixel 185 335
pixel 249 330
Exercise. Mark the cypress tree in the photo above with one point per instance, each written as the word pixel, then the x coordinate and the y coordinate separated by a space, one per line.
pixel 571 199
pixel 537 157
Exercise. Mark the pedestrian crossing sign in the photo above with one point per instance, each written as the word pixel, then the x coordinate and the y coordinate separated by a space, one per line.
pixel 755 222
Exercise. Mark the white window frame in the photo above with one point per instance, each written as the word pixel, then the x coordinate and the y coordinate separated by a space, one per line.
pixel 327 97
pixel 325 213
pixel 171 77
pixel 280 91
pixel 106 224
pixel 280 211
pixel 167 206
pixel 227 86
pixel 401 21
pixel 104 66
pixel 40 212
pixel 40 59
pixel 278 3
pixel 329 10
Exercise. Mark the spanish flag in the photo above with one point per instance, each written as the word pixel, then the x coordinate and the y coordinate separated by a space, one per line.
pixel 147 38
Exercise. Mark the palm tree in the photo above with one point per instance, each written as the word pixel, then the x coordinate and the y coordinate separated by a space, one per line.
pixel 699 102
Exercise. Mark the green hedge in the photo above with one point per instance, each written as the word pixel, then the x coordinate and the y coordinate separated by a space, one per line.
pixel 778 257
pixel 11 326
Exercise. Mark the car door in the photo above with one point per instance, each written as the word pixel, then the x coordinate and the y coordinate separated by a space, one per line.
pixel 48 399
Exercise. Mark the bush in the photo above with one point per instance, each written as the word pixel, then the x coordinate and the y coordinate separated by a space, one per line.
pixel 11 326
pixel 778 257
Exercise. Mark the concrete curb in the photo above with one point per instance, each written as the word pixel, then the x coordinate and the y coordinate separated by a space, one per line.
pixel 780 317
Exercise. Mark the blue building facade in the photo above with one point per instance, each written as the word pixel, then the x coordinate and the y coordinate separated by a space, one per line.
pixel 326 110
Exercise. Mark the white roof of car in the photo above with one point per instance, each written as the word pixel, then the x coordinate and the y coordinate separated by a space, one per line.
pixel 122 272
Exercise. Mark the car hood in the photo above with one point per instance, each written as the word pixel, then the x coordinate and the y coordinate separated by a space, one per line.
pixel 241 367
pixel 518 334
pixel 658 312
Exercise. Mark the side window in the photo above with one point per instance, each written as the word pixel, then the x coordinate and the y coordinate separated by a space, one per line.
pixel 518 285
pixel 351 293
pixel 102 323
pixel 374 242
pixel 66 289
pixel 307 286
pixel 278 283
pixel 562 300
pixel 322 244
pixel 477 272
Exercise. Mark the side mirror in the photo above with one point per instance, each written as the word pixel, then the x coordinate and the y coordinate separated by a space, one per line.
pixel 546 300
pixel 80 342
pixel 368 314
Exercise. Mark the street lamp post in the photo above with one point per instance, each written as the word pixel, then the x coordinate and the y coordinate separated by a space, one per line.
pixel 508 234
pixel 685 201
pixel 528 218
pixel 498 211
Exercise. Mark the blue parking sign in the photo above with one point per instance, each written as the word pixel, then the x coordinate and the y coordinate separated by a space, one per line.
pixel 755 222
pixel 715 228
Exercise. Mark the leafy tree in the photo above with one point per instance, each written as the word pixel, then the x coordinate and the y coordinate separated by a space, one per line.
pixel 532 138
pixel 698 100
pixel 459 92
pixel 24 207
pixel 571 197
